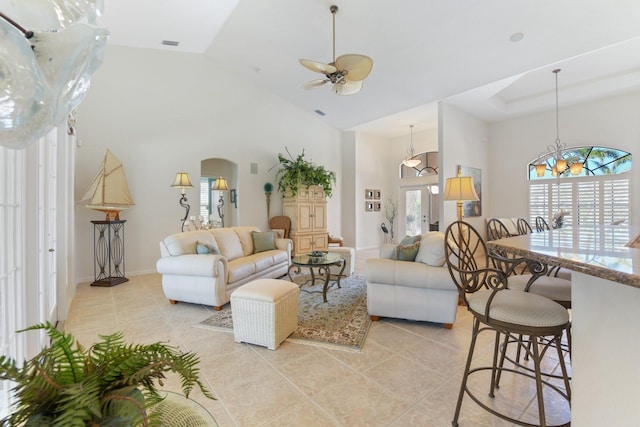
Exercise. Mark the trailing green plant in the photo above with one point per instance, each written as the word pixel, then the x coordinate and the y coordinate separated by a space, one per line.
pixel 111 383
pixel 297 172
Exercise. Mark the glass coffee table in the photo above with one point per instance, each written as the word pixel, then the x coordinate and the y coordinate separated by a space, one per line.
pixel 323 265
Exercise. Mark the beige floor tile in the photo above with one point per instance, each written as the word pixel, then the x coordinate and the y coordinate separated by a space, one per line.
pixel 358 401
pixel 408 373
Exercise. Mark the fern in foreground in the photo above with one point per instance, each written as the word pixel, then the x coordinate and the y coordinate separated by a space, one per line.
pixel 111 383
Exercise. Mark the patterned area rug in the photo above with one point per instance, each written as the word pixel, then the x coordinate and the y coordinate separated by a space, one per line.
pixel 340 323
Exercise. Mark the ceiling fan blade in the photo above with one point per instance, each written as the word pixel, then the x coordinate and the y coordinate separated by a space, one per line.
pixel 318 67
pixel 358 67
pixel 347 87
pixel 314 84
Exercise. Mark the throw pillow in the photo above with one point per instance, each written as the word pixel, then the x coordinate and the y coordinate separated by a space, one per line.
pixel 432 249
pixel 204 248
pixel 410 240
pixel 407 253
pixel 263 241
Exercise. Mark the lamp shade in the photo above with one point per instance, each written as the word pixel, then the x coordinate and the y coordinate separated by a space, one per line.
pixel 576 168
pixel 182 181
pixel 541 169
pixel 220 184
pixel 460 188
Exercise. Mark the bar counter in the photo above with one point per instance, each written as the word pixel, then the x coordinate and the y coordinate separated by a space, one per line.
pixel 605 293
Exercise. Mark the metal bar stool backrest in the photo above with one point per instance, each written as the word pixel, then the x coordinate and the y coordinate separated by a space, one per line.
pixel 468 261
pixel 524 227
pixel 541 224
pixel 497 230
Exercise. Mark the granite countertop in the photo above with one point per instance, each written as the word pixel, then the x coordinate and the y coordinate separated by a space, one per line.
pixel 610 252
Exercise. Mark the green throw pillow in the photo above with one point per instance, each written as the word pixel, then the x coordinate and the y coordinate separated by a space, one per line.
pixel 410 240
pixel 204 248
pixel 407 253
pixel 263 241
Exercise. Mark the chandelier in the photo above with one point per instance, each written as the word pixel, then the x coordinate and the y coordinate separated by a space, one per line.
pixel 554 157
pixel 411 161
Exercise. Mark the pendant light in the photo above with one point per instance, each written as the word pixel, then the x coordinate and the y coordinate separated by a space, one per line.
pixel 411 161
pixel 557 150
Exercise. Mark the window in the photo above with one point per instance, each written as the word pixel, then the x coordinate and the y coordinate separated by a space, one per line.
pixel 588 200
pixel 599 194
pixel 205 197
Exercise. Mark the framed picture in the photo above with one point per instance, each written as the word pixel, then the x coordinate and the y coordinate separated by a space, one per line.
pixel 377 194
pixel 377 206
pixel 368 206
pixel 368 193
pixel 473 208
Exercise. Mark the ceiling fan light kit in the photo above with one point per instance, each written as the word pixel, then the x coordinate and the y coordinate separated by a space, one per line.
pixel 346 72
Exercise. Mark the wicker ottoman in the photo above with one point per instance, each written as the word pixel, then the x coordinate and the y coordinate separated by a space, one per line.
pixel 265 312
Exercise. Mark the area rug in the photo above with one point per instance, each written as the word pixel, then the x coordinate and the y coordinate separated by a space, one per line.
pixel 340 323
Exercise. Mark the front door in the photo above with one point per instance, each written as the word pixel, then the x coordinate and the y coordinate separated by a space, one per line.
pixel 420 209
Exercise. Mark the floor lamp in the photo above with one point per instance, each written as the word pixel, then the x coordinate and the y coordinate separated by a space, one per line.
pixel 460 189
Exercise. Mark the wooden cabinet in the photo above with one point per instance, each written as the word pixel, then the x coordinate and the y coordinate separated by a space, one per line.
pixel 308 213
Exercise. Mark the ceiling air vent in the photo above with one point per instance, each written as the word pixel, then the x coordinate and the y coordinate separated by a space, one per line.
pixel 170 43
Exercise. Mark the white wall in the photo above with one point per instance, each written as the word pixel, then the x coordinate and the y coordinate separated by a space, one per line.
pixel 348 204
pixel 611 122
pixel 162 112
pixel 463 141
pixel 373 171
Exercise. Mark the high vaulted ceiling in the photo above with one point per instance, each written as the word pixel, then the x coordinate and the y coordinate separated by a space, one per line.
pixel 423 51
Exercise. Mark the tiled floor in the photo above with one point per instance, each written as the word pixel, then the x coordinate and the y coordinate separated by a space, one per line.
pixel 408 373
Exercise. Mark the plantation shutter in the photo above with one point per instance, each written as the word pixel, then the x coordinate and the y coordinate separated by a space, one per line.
pixel 589 200
pixel 204 198
pixel 616 195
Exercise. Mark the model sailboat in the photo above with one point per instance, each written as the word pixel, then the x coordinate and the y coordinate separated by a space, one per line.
pixel 109 192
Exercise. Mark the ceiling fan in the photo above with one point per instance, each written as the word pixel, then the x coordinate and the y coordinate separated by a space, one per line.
pixel 345 72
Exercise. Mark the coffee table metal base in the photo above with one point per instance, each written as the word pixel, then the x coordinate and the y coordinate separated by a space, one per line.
pixel 324 271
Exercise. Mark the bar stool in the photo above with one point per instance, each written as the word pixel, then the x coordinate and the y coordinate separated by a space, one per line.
pixel 503 311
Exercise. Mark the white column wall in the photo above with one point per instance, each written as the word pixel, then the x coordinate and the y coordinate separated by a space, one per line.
pixel 463 141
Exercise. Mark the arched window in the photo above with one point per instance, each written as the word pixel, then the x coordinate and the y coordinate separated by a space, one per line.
pixel 595 192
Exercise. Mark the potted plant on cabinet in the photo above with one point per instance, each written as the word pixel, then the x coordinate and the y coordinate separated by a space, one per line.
pixel 298 171
pixel 111 383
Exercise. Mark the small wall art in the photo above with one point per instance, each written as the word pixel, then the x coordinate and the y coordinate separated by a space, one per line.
pixel 377 194
pixel 368 193
pixel 368 206
pixel 377 206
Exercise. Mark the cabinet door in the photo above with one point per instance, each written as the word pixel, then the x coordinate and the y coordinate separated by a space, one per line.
pixel 320 242
pixel 305 217
pixel 319 219
pixel 303 244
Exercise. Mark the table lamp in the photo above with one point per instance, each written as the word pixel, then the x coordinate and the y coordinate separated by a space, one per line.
pixel 460 189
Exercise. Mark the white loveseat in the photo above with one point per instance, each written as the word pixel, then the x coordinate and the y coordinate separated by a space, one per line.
pixel 414 290
pixel 209 279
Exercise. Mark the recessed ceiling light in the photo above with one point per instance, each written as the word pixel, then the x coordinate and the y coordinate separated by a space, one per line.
pixel 516 37
pixel 170 43
pixel 319 112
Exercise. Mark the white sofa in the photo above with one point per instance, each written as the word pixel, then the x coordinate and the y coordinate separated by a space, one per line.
pixel 209 279
pixel 413 290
